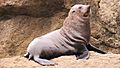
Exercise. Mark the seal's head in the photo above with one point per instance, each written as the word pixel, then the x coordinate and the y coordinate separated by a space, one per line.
pixel 80 11
pixel 77 23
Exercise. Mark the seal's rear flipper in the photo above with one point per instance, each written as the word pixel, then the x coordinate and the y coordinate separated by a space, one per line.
pixel 44 62
pixel 26 55
pixel 93 48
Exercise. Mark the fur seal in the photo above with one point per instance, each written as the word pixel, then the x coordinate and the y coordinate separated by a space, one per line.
pixel 71 39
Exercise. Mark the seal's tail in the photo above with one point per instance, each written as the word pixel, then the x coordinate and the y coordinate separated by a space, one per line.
pixel 28 55
pixel 93 48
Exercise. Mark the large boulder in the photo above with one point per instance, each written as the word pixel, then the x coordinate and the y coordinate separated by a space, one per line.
pixel 23 20
pixel 109 13
pixel 36 8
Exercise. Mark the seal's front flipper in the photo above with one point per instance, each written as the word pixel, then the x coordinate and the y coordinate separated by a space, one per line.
pixel 93 48
pixel 44 62
pixel 82 54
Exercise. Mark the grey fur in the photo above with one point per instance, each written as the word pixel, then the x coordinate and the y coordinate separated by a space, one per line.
pixel 71 39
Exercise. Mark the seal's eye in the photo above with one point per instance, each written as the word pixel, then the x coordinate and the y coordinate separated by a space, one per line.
pixel 80 7
pixel 73 11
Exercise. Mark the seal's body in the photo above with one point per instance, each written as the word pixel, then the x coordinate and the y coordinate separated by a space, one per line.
pixel 50 45
pixel 71 39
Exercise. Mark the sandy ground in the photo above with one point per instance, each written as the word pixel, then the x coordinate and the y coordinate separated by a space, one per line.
pixel 96 60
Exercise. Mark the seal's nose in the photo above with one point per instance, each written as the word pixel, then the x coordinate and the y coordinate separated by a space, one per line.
pixel 86 14
pixel 88 6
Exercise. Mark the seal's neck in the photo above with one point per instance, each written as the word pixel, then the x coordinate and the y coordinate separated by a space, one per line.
pixel 77 28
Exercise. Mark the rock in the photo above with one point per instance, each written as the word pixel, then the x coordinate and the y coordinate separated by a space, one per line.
pixel 36 8
pixel 96 60
pixel 109 16
pixel 17 32
pixel 23 20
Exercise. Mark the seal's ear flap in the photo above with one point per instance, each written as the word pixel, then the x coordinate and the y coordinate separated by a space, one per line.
pixel 72 5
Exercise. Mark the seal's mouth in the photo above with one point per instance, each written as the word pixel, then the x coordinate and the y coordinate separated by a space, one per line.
pixel 86 14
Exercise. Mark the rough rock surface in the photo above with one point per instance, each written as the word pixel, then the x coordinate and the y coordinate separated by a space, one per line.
pixel 96 60
pixel 23 20
pixel 109 14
